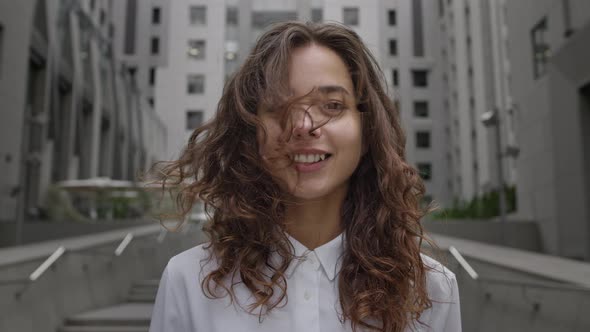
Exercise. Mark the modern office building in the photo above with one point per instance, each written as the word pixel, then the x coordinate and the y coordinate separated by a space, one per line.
pixel 209 40
pixel 476 78
pixel 189 86
pixel 69 108
pixel 549 45
pixel 141 41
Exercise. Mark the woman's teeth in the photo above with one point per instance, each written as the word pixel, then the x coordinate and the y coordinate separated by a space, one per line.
pixel 309 158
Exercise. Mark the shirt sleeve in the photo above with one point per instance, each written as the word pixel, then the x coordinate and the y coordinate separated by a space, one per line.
pixel 453 319
pixel 167 314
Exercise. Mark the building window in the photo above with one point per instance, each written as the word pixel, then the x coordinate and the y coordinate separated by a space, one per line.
pixel 194 119
pixel 155 46
pixel 417 28
pixel 196 49
pixel 425 171
pixel 391 17
pixel 196 84
pixel 231 16
pixel 198 15
pixel 421 109
pixel 152 76
pixel 130 26
pixel 392 47
pixel 1 47
pixel 103 17
pixel 394 77
pixel 350 16
pixel 261 19
pixel 132 72
pixel 420 78
pixel 156 15
pixel 540 48
pixel 423 139
pixel 317 15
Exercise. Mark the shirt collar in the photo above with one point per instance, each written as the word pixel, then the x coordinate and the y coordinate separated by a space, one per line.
pixel 329 255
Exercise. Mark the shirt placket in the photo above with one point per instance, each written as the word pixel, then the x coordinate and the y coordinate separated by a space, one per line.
pixel 308 296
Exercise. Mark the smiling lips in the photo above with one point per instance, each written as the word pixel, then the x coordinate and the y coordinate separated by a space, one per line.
pixel 309 160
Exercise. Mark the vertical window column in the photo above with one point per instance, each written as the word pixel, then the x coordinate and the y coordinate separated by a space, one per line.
pixel 155 45
pixel 417 28
pixel 156 15
pixel 540 48
pixel 1 47
pixel 130 26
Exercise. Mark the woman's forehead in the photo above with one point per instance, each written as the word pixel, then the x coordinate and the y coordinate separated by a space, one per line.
pixel 318 68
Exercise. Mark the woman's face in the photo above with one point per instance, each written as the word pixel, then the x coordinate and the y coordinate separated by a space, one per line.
pixel 300 166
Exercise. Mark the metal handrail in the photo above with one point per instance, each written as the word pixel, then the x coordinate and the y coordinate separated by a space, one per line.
pixel 530 283
pixel 123 245
pixel 39 270
pixel 463 263
pixel 161 236
pixel 59 253
pixel 118 251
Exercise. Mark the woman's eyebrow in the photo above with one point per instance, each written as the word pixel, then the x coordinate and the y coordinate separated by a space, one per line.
pixel 325 89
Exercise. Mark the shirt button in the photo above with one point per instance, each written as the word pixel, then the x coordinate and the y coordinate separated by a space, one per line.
pixel 306 296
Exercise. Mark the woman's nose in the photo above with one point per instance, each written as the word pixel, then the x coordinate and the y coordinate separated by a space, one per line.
pixel 303 125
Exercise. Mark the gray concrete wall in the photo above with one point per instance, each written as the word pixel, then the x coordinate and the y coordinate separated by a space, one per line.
pixel 15 16
pixel 518 234
pixel 521 306
pixel 55 125
pixel 81 280
pixel 518 290
pixel 551 169
pixel 34 232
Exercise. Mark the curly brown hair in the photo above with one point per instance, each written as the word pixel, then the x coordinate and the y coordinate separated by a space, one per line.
pixel 382 282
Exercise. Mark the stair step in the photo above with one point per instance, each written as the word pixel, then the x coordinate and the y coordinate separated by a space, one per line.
pixel 143 291
pixel 141 299
pixel 148 283
pixel 128 314
pixel 103 329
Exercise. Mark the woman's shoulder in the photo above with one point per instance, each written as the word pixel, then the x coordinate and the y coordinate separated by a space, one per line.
pixel 440 281
pixel 193 260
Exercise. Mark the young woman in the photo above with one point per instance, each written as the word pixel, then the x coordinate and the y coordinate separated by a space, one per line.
pixel 315 214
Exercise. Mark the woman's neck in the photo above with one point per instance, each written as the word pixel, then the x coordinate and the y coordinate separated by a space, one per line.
pixel 314 223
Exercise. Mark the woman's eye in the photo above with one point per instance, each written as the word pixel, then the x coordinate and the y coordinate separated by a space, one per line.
pixel 334 106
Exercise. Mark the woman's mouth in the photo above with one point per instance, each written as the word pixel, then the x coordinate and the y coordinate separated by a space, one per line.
pixel 310 162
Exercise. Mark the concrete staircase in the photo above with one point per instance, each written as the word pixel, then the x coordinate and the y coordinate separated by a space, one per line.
pixel 132 316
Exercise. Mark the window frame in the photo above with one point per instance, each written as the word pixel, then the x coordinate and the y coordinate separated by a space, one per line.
pixel 203 51
pixel 425 175
pixel 418 107
pixel 416 82
pixel 392 18
pixel 393 50
pixel 189 124
pixel 425 135
pixel 540 48
pixel 156 15
pixel 347 19
pixel 155 45
pixel 197 20
pixel 196 77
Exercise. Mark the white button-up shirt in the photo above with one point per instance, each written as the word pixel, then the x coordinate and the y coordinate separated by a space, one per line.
pixel 312 297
